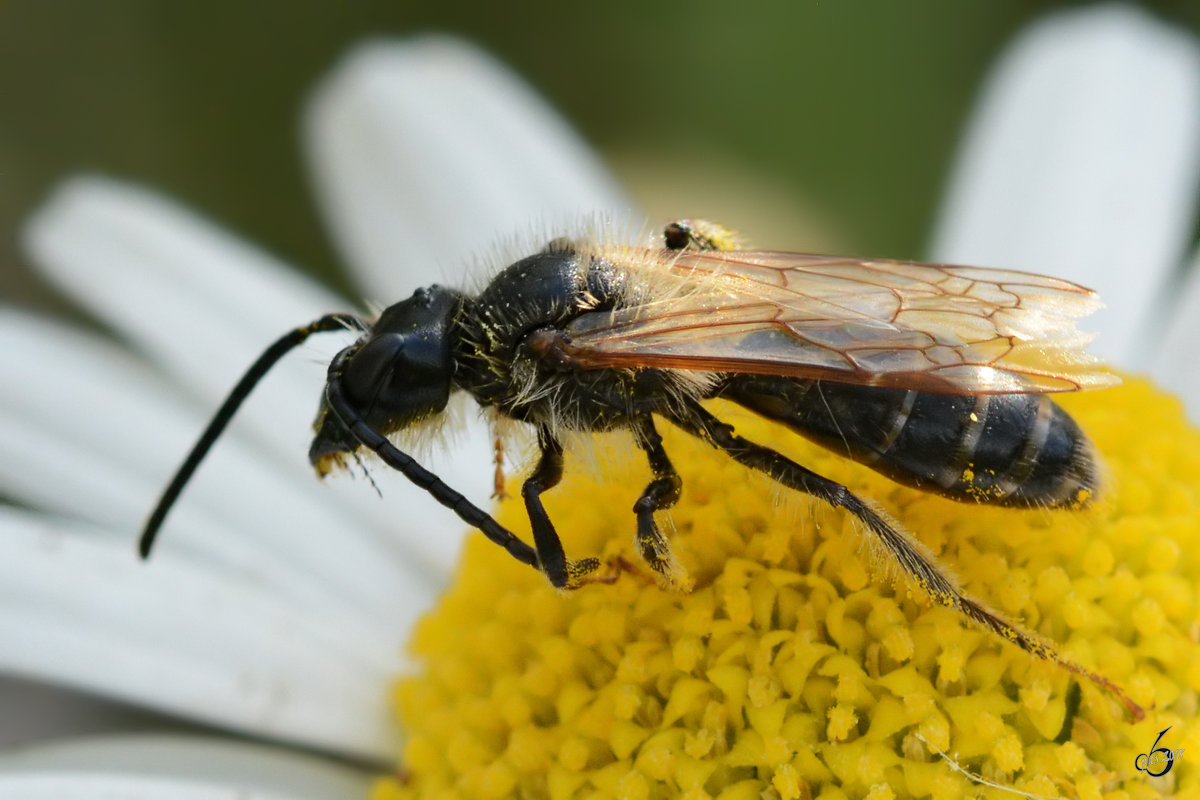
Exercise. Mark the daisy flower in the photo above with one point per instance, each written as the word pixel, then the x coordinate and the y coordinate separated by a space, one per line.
pixel 283 613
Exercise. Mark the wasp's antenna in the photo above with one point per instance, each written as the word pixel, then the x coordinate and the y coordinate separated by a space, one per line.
pixel 402 462
pixel 286 343
pixel 367 473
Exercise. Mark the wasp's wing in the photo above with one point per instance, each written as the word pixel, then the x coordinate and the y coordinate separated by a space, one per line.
pixel 898 324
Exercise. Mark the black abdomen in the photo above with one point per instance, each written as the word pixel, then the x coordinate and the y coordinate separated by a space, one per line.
pixel 1010 449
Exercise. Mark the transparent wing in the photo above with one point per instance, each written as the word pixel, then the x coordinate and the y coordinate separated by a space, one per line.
pixel 898 324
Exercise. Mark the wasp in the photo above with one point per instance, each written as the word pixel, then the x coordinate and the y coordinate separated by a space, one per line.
pixel 937 376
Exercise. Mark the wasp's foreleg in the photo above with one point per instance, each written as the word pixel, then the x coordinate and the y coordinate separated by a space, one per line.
pixel 661 493
pixel 906 552
pixel 552 561
pixel 498 492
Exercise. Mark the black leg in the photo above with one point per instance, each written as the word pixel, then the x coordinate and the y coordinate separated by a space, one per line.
pixel 906 552
pixel 661 493
pixel 563 573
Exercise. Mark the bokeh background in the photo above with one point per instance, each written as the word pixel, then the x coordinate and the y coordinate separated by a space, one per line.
pixel 810 125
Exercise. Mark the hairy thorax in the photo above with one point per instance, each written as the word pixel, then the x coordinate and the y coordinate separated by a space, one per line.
pixel 514 357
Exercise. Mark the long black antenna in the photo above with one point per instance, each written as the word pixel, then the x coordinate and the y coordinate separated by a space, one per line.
pixel 287 342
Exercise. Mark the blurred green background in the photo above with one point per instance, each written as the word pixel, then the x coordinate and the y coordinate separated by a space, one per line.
pixel 843 114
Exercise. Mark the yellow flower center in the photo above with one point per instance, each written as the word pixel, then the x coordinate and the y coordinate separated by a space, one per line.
pixel 797 667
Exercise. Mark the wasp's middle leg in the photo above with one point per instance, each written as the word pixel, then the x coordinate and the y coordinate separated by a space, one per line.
pixel 660 494
pixel 905 551
pixel 552 561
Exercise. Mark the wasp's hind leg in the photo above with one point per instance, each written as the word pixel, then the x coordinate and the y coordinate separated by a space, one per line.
pixel 552 561
pixel 660 494
pixel 906 552
pixel 700 234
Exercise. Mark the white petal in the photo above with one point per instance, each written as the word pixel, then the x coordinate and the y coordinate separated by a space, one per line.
pixel 108 465
pixel 36 712
pixel 200 302
pixel 1173 362
pixel 79 610
pixel 172 767
pixel 425 152
pixel 99 786
pixel 203 305
pixel 1083 161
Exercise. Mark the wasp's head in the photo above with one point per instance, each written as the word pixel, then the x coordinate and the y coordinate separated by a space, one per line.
pixel 396 375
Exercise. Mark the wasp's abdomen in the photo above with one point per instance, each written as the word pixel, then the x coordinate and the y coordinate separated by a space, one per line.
pixel 1012 449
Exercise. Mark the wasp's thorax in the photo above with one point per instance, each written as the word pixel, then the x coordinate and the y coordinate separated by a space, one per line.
pixel 397 374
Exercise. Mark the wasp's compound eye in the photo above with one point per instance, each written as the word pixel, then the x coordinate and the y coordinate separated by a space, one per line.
pixel 368 370
pixel 394 379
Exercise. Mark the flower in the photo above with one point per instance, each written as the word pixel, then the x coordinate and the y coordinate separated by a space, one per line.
pixel 207 561
pixel 792 667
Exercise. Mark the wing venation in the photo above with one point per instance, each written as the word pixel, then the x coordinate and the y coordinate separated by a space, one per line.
pixel 900 324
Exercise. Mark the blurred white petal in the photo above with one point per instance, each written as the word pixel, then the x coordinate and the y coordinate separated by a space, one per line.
pixel 1082 161
pixel 101 786
pixel 36 711
pixel 203 305
pixel 76 608
pixel 425 152
pixel 88 431
pixel 1172 360
pixel 186 292
pixel 170 768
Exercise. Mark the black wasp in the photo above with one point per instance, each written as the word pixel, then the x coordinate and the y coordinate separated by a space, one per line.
pixel 936 376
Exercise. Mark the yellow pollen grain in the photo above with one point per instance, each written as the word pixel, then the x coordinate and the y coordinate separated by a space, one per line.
pixel 1036 695
pixel 950 663
pixel 497 780
pixel 1148 617
pixel 633 786
pixel 947 787
pixel 1097 559
pixel 1088 787
pixel 1193 675
pixel 880 791
pixel 1075 611
pixel 798 666
pixel 1072 758
pixel 854 575
pixel 786 782
pixel 1008 753
pixel 1162 554
pixel 842 721
pixel 574 754
pixel 898 643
